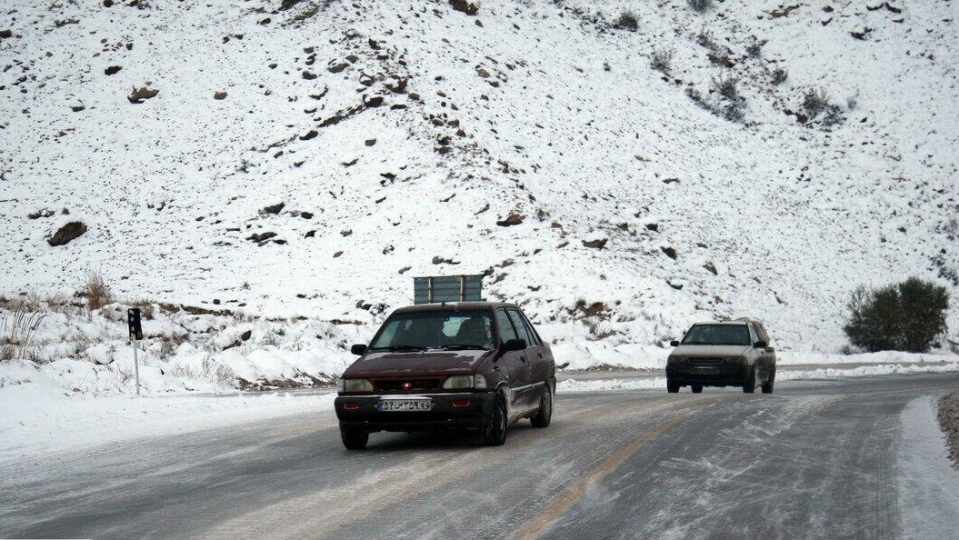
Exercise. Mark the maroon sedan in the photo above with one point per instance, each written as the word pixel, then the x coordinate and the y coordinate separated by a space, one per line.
pixel 475 366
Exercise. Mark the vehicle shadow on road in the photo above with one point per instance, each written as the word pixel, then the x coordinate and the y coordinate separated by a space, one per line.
pixel 438 440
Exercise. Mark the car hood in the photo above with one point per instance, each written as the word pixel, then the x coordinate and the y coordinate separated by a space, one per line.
pixel 717 351
pixel 405 364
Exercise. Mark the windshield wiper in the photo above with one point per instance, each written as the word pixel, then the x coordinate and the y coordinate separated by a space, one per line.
pixel 463 347
pixel 395 348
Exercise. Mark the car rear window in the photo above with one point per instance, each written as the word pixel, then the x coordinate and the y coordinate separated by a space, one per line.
pixel 717 334
pixel 436 330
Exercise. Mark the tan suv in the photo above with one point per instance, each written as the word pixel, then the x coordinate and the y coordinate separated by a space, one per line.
pixel 733 353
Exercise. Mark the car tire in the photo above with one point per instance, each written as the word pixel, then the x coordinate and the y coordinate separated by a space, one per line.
pixel 672 386
pixel 354 438
pixel 749 387
pixel 697 388
pixel 768 385
pixel 545 412
pixel 494 432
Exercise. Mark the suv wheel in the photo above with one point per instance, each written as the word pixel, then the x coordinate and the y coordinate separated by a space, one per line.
pixel 749 386
pixel 672 386
pixel 494 432
pixel 354 438
pixel 545 413
pixel 697 388
pixel 768 385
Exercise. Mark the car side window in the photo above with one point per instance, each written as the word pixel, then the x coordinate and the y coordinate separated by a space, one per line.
pixel 529 329
pixel 762 332
pixel 520 326
pixel 753 335
pixel 506 331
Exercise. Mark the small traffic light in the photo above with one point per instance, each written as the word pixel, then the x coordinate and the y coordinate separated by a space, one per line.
pixel 133 321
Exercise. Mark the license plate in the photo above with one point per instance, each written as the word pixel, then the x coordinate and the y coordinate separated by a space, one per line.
pixel 404 405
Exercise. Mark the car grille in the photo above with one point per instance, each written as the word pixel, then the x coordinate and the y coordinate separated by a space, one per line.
pixel 406 385
pixel 706 361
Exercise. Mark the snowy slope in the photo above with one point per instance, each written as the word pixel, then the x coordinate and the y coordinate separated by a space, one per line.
pixel 542 109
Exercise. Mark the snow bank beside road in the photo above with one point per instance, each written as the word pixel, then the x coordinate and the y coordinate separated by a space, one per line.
pixel 38 422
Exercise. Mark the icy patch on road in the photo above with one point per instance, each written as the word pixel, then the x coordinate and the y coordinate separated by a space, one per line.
pixel 36 422
pixel 928 485
pixel 645 383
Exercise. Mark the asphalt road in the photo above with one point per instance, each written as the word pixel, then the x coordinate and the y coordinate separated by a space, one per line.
pixel 817 459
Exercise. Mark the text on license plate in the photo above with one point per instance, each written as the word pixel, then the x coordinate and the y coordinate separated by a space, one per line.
pixel 396 405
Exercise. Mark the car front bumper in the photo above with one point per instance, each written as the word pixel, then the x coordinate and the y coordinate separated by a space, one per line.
pixel 709 375
pixel 443 416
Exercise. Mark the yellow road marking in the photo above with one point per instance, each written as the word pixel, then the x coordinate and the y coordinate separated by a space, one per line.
pixel 535 527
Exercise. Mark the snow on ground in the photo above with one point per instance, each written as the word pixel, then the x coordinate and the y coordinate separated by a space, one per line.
pixel 928 483
pixel 399 136
pixel 38 422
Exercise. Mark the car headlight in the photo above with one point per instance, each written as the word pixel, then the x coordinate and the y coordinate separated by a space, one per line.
pixel 735 360
pixel 354 385
pixel 462 382
pixel 676 360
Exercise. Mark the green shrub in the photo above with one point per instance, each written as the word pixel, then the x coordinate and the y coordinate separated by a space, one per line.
pixel 904 317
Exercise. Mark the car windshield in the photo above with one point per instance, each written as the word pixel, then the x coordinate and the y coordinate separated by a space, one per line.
pixel 717 334
pixel 452 330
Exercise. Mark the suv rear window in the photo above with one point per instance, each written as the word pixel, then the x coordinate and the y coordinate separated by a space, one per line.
pixel 717 334
pixel 436 330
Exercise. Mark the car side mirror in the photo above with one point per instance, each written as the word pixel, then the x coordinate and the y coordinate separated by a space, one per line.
pixel 760 344
pixel 358 349
pixel 513 345
pixel 674 343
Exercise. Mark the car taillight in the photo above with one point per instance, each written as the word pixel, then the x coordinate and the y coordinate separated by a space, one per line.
pixel 351 405
pixel 461 402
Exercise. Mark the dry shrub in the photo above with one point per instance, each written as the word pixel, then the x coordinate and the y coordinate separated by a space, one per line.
pixel 96 291
pixel 700 6
pixel 17 329
pixel 662 60
pixel 208 370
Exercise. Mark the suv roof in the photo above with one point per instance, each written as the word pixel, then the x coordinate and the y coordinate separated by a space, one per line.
pixel 454 306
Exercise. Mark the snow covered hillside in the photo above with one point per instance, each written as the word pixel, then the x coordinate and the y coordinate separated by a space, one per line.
pixel 620 168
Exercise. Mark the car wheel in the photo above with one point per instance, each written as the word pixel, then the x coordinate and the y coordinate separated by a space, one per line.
pixel 353 438
pixel 768 385
pixel 494 432
pixel 697 388
pixel 672 386
pixel 545 413
pixel 749 386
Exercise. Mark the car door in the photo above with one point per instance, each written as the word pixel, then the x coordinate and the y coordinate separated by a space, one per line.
pixel 770 351
pixel 532 356
pixel 762 359
pixel 516 363
pixel 541 365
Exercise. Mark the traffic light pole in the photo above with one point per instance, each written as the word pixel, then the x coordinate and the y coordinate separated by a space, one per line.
pixel 136 364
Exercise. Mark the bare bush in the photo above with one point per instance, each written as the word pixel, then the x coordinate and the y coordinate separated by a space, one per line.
pixel 208 370
pixel 700 6
pixel 662 60
pixel 705 39
pixel 96 291
pixel 124 375
pixel 627 21
pixel 815 102
pixel 17 330
pixel 170 344
pixel 755 49
pixel 727 86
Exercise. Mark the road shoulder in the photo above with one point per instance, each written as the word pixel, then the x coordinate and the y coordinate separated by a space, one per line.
pixel 928 485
